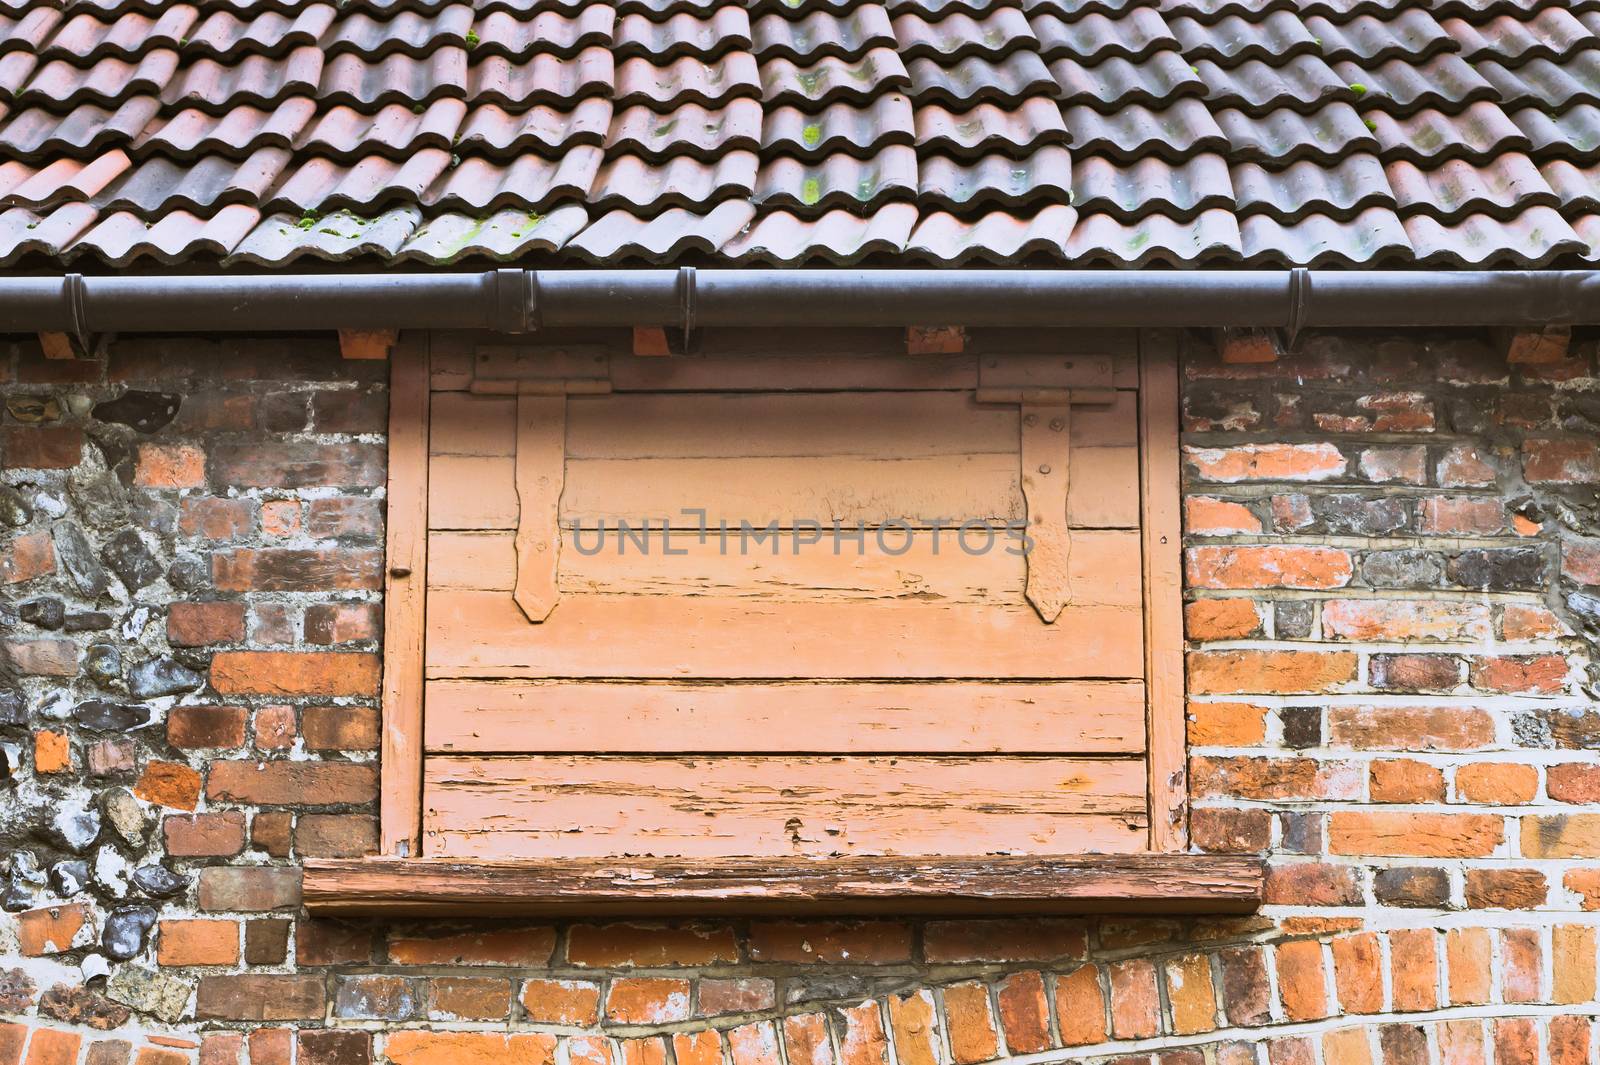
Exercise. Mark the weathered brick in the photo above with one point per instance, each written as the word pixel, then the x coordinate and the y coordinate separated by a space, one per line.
pixel 169 784
pixel 745 995
pixel 1274 566
pixel 1190 994
pixel 515 945
pixel 1521 965
pixel 1135 1002
pixel 1467 960
pixel 647 1000
pixel 1414 969
pixel 1497 783
pixel 54 929
pixel 651 946
pixel 1246 993
pixel 260 997
pixel 970 1021
pixel 1301 982
pixel 1573 461
pixel 1005 940
pixel 1209 516
pixel 1358 973
pixel 1230 831
pixel 284 464
pixel 1405 780
pixel 1221 619
pixel 1269 672
pixel 1405 728
pixel 1024 1012
pixel 1226 724
pixel 266 940
pixel 329 624
pixel 1572 964
pixel 41 448
pixel 416 1047
pixel 1415 673
pixel 561 1001
pixel 26 558
pixel 332 1047
pixel 1266 462
pixel 344 517
pixel 1404 620
pixel 468 998
pixel 293 673
pixel 196 727
pixel 1520 674
pixel 249 888
pixel 297 570
pixel 208 835
pixel 41 658
pixel 340 728
pixel 216 517
pixel 336 835
pixel 1416 886
pixel 376 997
pixel 1250 777
pixel 283 783
pixel 1461 516
pixel 170 466
pixel 198 624
pixel 1384 833
pixel 703 1047
pixel 197 942
pixel 913 1020
pixel 860 942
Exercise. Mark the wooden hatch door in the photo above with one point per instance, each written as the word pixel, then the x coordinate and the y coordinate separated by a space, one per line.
pixel 671 613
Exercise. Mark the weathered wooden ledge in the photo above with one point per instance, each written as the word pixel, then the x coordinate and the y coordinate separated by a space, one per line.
pixel 1139 883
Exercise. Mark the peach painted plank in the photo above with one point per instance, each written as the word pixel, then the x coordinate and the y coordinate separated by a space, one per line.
pixel 1045 466
pixel 483 634
pixel 1163 584
pixel 472 492
pixel 1104 567
pixel 955 717
pixel 405 590
pixel 1105 465
pixel 574 806
pixel 467 424
pixel 766 368
pixel 540 464
pixel 849 488
pixel 730 425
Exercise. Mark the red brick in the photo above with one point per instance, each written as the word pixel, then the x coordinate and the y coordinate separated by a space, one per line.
pixel 52 752
pixel 1346 1046
pixel 282 783
pixel 1521 960
pixel 1357 973
pixel 27 557
pixel 1230 831
pixel 275 728
pixel 208 835
pixel 12 1039
pixel 252 889
pixel 1580 561
pixel 170 466
pixel 1415 672
pixel 47 448
pixel 292 673
pixel 325 942
pixel 970 1021
pixel 343 517
pixel 1011 939
pixel 1516 1041
pixel 1569 1040
pixel 1024 1012
pixel 1311 884
pixel 651 946
pixel 1190 994
pixel 832 942
pixel 197 624
pixel 1221 619
pixel 1561 461
pixel 340 623
pixel 196 727
pixel 1463 466
pixel 863 1042
pixel 50 1047
pixel 327 1047
pixel 468 1048
pixel 1269 672
pixel 222 1048
pixel 1461 516
pixel 270 1046
pixel 561 1001
pixel 54 929
pixel 340 728
pixel 1414 968
pixel 913 1022
pixel 521 946
pixel 1246 994
pixel 1404 620
pixel 270 832
pixel 1081 1007
pixel 266 940
pixel 805 1042
pixel 1519 621
pixel 1419 728
pixel 1135 1004
pixel 1520 674
pixel 699 1048
pixel 1394 834
pixel 1572 964
pixel 1405 780
pixel 297 570
pixel 746 995
pixel 1497 783
pixel 1506 889
pixel 1302 984
pixel 41 658
pixel 647 1000
pixel 1226 724
pixel 1209 516
pixel 1248 777
pixel 468 998
pixel 1461 1042
pixel 216 518
pixel 1266 462
pixel 197 942
pixel 282 464
pixel 260 997
pixel 1467 957
pixel 1270 566
pixel 169 784
pixel 280 517
pixel 335 835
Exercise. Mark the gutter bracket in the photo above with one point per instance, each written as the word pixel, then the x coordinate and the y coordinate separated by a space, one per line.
pixel 1299 305
pixel 686 304
pixel 512 300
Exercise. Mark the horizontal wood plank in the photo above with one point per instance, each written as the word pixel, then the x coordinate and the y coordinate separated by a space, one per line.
pixel 754 367
pixel 1103 567
pixel 466 424
pixel 1067 717
pixel 483 634
pixel 472 492
pixel 576 806
pixel 1133 883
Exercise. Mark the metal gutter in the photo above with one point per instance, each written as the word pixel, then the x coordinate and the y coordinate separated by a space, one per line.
pixel 510 300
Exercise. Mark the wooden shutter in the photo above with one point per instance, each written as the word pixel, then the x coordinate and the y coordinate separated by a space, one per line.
pixel 591 692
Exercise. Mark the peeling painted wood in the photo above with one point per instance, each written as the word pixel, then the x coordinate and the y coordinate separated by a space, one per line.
pixel 483 634
pixel 541 806
pixel 1046 469
pixel 405 588
pixel 991 885
pixel 959 717
pixel 540 472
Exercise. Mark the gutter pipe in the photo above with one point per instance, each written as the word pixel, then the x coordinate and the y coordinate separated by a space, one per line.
pixel 514 301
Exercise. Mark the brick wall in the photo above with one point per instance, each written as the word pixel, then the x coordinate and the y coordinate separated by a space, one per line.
pixel 1394 555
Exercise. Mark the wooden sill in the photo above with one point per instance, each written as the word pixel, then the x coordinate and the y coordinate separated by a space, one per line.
pixel 1135 883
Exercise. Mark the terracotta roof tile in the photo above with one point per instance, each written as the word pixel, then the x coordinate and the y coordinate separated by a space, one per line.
pixel 646 189
pixel 1127 192
pixel 1340 191
pixel 989 128
pixel 840 238
pixel 809 39
pixel 725 30
pixel 973 81
pixel 1281 137
pixel 1130 132
pixel 527 181
pixel 1373 237
pixel 1479 133
pixel 691 130
pixel 838 128
pixel 504 236
pixel 993 236
pixel 991 36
